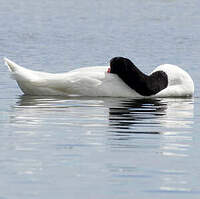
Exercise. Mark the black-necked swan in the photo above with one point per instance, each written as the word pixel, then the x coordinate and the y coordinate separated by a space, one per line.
pixel 121 79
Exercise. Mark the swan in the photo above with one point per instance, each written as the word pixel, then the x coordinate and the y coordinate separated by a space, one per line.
pixel 121 79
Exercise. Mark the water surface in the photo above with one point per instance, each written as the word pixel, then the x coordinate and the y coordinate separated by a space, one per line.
pixel 80 147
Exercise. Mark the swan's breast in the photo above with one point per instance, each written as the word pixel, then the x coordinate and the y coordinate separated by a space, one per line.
pixel 179 82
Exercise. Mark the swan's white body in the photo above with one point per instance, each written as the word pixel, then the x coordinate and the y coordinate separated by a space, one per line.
pixel 95 81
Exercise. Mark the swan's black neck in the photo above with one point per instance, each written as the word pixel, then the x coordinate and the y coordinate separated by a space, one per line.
pixel 145 85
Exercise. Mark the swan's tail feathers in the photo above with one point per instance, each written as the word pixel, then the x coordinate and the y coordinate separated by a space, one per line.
pixel 31 82
pixel 13 67
pixel 19 73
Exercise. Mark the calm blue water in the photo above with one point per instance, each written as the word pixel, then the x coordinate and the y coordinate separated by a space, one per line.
pixel 99 147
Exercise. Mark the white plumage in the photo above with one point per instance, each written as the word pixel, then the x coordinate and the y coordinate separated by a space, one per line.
pixel 95 81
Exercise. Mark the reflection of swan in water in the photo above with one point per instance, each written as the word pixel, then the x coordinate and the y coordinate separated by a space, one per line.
pixel 125 115
pixel 55 111
pixel 133 114
pixel 39 101
pixel 145 115
pixel 179 113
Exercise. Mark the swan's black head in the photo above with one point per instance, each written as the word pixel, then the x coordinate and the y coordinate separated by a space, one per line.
pixel 143 84
pixel 120 65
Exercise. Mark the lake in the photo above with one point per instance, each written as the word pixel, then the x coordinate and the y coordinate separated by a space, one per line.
pixel 81 147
